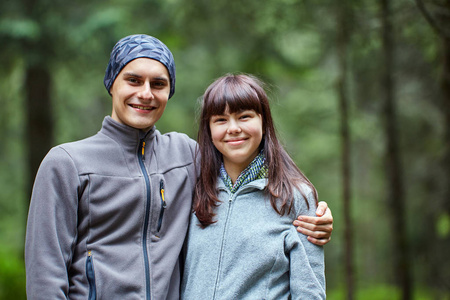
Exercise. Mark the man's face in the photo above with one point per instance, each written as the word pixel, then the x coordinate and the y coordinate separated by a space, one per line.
pixel 140 93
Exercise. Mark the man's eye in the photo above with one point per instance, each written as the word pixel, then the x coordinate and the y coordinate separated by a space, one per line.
pixel 159 84
pixel 132 80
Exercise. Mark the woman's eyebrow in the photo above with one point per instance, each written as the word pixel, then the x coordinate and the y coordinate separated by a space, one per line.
pixel 218 116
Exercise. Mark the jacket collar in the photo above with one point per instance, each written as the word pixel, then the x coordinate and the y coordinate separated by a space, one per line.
pixel 259 184
pixel 123 134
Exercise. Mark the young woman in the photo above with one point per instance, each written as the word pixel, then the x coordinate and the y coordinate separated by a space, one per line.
pixel 241 242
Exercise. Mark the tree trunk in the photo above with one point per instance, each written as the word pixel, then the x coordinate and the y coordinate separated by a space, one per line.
pixel 441 249
pixel 439 270
pixel 39 116
pixel 446 110
pixel 39 121
pixel 343 38
pixel 396 198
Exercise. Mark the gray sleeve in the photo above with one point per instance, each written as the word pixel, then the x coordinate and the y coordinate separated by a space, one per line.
pixel 52 227
pixel 307 265
pixel 193 146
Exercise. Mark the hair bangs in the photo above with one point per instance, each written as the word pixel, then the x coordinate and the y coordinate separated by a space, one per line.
pixel 234 94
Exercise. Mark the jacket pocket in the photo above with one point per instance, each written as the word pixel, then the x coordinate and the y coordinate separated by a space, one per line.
pixel 91 276
pixel 163 204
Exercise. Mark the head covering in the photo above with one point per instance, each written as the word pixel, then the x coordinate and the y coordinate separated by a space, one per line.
pixel 137 46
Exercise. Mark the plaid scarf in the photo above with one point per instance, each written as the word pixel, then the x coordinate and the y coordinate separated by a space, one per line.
pixel 255 170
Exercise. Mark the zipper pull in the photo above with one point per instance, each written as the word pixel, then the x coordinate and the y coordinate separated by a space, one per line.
pixel 161 187
pixel 143 149
pixel 163 205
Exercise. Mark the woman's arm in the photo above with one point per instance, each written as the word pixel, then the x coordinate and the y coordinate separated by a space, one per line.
pixel 307 264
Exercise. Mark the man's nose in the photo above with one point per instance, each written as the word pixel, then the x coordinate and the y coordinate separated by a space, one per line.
pixel 146 92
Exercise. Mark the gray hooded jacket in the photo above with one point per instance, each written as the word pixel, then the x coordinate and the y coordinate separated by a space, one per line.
pixel 252 252
pixel 108 216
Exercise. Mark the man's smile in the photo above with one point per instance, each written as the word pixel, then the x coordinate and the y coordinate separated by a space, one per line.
pixel 142 107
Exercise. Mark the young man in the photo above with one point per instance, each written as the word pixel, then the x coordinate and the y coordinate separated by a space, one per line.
pixel 109 214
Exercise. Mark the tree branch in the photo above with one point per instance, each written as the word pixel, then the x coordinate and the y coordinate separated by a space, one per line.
pixel 439 30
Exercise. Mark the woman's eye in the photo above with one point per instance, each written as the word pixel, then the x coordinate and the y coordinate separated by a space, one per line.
pixel 246 114
pixel 218 120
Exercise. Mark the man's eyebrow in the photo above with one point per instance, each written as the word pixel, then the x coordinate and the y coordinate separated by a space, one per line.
pixel 161 78
pixel 131 74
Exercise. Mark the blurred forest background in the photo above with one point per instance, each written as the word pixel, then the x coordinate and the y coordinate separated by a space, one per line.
pixel 360 94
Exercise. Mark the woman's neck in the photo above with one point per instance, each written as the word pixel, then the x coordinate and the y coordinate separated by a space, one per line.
pixel 235 167
pixel 233 171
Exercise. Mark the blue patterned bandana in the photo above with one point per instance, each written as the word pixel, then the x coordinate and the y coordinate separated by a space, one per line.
pixel 255 170
pixel 137 46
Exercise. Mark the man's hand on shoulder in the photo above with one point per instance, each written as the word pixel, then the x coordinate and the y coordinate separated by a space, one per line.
pixel 318 229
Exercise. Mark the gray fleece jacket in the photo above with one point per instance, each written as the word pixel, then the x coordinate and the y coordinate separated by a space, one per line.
pixel 108 216
pixel 252 252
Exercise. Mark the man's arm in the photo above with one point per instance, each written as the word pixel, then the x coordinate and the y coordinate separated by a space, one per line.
pixel 51 228
pixel 318 229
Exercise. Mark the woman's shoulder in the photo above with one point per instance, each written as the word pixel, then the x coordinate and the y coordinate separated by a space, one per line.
pixel 304 200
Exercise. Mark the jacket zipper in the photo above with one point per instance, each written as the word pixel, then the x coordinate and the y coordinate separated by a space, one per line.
pixel 163 204
pixel 91 276
pixel 141 158
pixel 230 201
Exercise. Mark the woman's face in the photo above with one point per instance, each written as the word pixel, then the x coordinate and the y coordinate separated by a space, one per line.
pixel 237 136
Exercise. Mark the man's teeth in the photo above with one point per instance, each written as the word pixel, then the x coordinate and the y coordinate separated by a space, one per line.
pixel 141 107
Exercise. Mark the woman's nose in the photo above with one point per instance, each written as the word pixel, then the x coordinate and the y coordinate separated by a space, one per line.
pixel 233 127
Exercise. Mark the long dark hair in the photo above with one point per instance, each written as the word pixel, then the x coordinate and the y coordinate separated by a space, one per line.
pixel 239 92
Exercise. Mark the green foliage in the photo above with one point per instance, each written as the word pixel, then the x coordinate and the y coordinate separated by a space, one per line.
pixel 19 28
pixel 443 226
pixel 378 292
pixel 382 292
pixel 12 276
